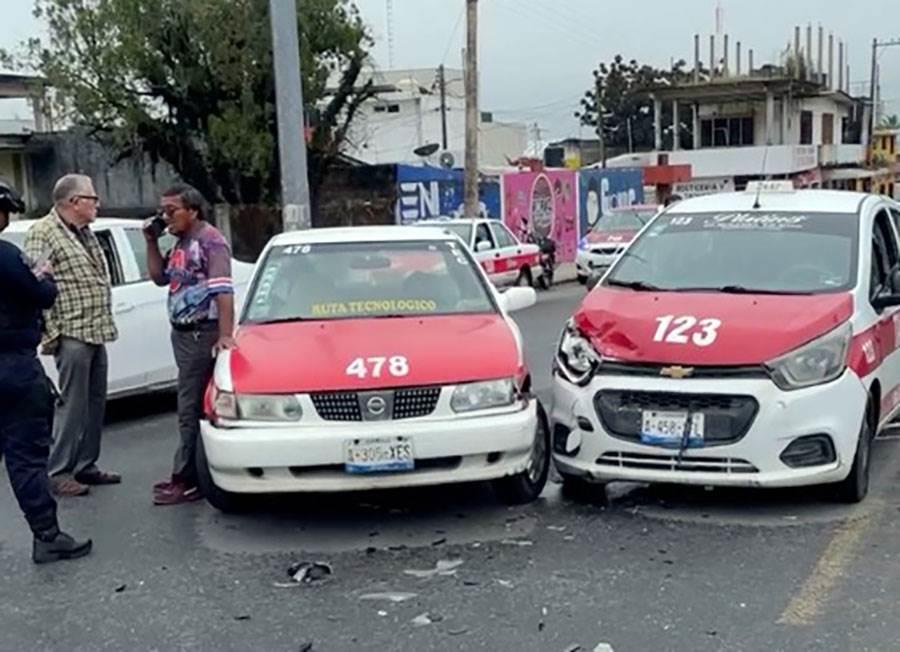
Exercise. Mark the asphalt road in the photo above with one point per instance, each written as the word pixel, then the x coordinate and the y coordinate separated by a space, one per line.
pixel 655 569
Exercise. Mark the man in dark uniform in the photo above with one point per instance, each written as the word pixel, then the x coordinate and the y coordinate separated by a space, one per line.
pixel 26 395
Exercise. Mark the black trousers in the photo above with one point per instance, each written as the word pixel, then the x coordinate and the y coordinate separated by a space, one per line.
pixel 26 421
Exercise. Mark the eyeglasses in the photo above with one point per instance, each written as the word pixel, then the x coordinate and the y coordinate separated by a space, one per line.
pixel 170 211
pixel 93 198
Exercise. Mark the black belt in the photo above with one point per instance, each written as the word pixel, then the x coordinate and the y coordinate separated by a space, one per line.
pixel 203 325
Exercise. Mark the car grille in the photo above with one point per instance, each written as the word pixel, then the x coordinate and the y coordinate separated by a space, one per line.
pixel 727 417
pixel 609 368
pixel 607 250
pixel 407 403
pixel 725 465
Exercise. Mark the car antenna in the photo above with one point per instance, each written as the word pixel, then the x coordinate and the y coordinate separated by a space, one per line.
pixel 763 172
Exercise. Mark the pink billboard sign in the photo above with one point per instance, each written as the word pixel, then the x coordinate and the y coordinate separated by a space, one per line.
pixel 543 204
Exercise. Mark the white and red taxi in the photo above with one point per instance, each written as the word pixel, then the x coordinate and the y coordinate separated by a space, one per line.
pixel 607 239
pixel 506 259
pixel 745 339
pixel 367 358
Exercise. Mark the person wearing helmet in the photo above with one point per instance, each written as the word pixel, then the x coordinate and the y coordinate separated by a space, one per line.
pixel 26 394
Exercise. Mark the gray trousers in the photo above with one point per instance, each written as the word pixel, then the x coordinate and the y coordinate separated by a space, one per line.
pixel 78 423
pixel 193 356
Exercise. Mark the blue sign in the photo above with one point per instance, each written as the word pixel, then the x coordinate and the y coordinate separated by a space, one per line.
pixel 603 189
pixel 427 192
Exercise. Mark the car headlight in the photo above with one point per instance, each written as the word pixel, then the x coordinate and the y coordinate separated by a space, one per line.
pixel 257 407
pixel 483 395
pixel 814 363
pixel 578 360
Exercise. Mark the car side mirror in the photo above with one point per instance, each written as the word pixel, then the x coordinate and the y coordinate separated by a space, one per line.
pixel 482 245
pixel 518 298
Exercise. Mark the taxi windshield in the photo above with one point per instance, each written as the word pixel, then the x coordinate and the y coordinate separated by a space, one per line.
pixel 753 251
pixel 622 221
pixel 366 280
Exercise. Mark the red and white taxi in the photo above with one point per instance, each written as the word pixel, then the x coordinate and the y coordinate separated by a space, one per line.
pixel 607 239
pixel 372 357
pixel 506 259
pixel 745 339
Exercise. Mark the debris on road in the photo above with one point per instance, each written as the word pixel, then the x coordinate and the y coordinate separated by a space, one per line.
pixel 121 588
pixel 556 528
pixel 505 583
pixel 443 567
pixel 393 597
pixel 439 542
pixel 517 542
pixel 426 619
pixel 306 647
pixel 242 617
pixel 603 647
pixel 305 572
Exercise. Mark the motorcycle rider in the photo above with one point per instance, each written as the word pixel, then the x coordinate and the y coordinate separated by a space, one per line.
pixel 26 394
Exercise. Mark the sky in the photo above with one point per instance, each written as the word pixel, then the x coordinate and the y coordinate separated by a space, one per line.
pixel 536 56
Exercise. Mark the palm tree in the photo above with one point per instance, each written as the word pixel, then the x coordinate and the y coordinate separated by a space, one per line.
pixel 890 122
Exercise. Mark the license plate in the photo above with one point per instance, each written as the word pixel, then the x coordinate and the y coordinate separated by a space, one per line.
pixel 379 455
pixel 667 428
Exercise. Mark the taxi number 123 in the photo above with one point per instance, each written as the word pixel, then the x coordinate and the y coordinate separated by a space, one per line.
pixel 375 367
pixel 686 328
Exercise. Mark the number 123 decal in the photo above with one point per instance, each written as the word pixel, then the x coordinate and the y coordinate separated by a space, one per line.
pixel 686 328
pixel 374 367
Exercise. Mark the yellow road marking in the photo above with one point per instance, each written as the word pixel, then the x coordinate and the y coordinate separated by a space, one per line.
pixel 805 606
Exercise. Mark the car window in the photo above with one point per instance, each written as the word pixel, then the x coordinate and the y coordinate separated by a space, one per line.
pixel 365 280
pixel 503 236
pixel 464 231
pixel 769 252
pixel 884 255
pixel 482 233
pixel 111 255
pixel 139 245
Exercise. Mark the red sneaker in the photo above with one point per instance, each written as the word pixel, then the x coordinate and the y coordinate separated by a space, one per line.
pixel 176 494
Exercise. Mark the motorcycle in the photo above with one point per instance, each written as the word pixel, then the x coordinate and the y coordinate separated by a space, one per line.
pixel 548 263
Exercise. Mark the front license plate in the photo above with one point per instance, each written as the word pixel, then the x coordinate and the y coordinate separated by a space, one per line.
pixel 667 428
pixel 379 455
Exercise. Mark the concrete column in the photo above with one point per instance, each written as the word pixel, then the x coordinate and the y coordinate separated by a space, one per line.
pixel 657 124
pixel 770 115
pixel 782 140
pixel 697 139
pixel 676 127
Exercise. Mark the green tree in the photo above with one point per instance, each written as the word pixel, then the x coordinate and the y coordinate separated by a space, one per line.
pixel 627 106
pixel 191 82
pixel 890 122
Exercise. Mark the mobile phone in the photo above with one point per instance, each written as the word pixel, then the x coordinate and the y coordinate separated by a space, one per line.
pixel 156 225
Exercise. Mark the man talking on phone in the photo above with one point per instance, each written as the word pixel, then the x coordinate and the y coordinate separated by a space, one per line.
pixel 26 395
pixel 201 312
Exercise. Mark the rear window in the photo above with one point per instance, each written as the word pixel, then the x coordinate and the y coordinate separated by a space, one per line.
pixel 622 221
pixel 754 250
pixel 364 280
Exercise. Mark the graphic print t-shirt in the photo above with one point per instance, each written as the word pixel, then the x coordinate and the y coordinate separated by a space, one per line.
pixel 198 270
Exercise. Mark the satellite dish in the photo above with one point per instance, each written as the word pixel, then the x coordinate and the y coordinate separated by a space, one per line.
pixel 426 150
pixel 447 160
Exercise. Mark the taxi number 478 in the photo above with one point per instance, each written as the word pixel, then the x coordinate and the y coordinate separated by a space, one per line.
pixel 375 367
pixel 686 328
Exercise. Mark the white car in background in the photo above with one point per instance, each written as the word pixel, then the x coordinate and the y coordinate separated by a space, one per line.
pixel 506 259
pixel 141 360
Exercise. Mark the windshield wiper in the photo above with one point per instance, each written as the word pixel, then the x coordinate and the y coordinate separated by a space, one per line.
pixel 639 286
pixel 740 289
pixel 277 320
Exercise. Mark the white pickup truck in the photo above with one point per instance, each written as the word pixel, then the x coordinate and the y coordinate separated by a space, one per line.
pixel 141 360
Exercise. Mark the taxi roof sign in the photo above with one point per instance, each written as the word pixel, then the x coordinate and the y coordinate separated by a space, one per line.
pixel 768 187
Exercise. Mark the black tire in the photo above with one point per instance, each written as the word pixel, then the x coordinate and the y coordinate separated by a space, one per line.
pixel 524 278
pixel 582 279
pixel 224 501
pixel 579 490
pixel 855 487
pixel 526 486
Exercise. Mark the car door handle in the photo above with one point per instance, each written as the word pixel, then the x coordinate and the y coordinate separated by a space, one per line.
pixel 123 307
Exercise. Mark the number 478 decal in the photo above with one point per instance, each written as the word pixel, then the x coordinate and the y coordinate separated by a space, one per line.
pixel 686 328
pixel 374 367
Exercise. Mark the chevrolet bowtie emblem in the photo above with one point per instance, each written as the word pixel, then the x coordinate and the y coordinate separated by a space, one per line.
pixel 676 372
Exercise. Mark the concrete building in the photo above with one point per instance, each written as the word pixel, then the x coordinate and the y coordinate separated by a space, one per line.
pixel 406 114
pixel 15 133
pixel 794 120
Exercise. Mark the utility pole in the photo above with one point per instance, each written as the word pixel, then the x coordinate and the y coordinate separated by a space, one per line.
pixel 471 165
pixel 443 82
pixel 289 110
pixel 873 80
pixel 600 134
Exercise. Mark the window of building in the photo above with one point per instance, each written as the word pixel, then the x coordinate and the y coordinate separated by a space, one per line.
pixel 806 128
pixel 827 128
pixel 726 132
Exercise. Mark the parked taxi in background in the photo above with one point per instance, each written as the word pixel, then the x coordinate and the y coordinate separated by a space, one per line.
pixel 506 259
pixel 368 358
pixel 746 339
pixel 607 239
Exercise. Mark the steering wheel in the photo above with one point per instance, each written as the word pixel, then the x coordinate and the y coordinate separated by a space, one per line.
pixel 795 272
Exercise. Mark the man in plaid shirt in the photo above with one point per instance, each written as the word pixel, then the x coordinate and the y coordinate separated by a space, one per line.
pixel 76 330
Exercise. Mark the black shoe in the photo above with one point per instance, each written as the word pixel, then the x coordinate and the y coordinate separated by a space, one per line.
pixel 62 546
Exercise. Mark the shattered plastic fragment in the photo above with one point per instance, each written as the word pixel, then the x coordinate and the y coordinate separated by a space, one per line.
pixel 443 567
pixel 393 597
pixel 517 542
pixel 305 572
